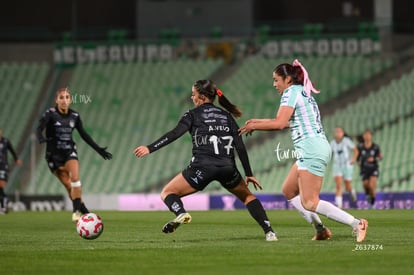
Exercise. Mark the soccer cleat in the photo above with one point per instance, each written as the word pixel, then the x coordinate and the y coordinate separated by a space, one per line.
pixel 76 216
pixel 361 230
pixel 172 225
pixel 271 236
pixel 322 235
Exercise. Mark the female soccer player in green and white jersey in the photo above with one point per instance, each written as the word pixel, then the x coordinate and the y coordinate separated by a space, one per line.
pixel 299 111
pixel 343 161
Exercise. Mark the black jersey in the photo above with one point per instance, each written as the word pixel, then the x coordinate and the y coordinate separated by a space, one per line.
pixel 59 128
pixel 214 135
pixel 4 146
pixel 365 153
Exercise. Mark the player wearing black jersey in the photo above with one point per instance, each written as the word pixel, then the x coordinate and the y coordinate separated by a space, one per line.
pixel 214 135
pixel 5 146
pixel 369 154
pixel 61 154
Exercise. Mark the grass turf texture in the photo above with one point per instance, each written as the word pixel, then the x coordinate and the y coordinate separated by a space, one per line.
pixel 215 242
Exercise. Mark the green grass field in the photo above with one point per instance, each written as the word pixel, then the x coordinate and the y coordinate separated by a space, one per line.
pixel 216 242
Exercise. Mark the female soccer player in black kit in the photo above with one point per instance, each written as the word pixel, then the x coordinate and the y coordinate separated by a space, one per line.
pixel 368 156
pixel 61 154
pixel 214 135
pixel 5 146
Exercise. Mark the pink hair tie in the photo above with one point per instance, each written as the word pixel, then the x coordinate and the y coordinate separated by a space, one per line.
pixel 219 92
pixel 307 83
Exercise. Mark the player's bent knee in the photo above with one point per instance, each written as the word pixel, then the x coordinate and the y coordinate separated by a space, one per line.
pixel 288 194
pixel 310 205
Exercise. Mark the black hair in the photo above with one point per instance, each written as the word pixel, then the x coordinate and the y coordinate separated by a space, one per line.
pixel 209 89
pixel 295 72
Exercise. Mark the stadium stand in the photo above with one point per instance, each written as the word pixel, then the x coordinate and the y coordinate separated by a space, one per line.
pixel 134 114
pixel 21 85
pixel 130 117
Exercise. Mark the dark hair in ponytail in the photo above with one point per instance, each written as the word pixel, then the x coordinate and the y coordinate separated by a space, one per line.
pixel 210 90
pixel 295 72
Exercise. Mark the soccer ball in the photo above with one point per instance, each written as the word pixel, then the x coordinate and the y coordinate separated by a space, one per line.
pixel 89 226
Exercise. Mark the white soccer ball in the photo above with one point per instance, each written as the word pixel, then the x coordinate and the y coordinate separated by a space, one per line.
pixel 90 226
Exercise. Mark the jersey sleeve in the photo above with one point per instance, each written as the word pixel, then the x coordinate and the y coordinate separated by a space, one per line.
pixel 183 126
pixel 85 136
pixel 332 145
pixel 41 126
pixel 349 143
pixel 11 149
pixel 289 97
pixel 359 152
pixel 378 155
pixel 241 149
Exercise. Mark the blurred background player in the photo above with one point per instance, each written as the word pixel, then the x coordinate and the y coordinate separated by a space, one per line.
pixel 369 154
pixel 214 134
pixel 61 154
pixel 299 111
pixel 5 145
pixel 343 161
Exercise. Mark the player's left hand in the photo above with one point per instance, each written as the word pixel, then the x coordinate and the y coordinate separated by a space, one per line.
pixel 141 151
pixel 19 162
pixel 105 154
pixel 254 181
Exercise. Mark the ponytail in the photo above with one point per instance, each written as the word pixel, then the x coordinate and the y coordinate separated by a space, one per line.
pixel 230 107
pixel 210 90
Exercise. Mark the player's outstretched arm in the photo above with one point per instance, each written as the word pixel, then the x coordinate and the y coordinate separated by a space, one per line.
pixel 87 138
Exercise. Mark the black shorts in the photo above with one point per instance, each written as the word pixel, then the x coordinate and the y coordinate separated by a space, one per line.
pixel 199 177
pixel 366 173
pixel 56 160
pixel 4 172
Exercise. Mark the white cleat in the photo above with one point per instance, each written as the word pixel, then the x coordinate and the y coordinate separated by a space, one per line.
pixel 271 236
pixel 76 216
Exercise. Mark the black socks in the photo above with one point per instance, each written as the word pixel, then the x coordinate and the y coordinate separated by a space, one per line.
pixel 3 199
pixel 257 211
pixel 175 204
pixel 76 204
pixel 83 209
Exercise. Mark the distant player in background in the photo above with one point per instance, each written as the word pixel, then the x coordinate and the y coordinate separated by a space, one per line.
pixel 299 111
pixel 61 154
pixel 215 138
pixel 369 154
pixel 343 162
pixel 5 146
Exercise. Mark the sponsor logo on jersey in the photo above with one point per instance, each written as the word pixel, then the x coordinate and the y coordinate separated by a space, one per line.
pixel 57 123
pixel 73 154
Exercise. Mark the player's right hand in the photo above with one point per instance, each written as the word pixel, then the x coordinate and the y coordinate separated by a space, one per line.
pixel 256 183
pixel 141 151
